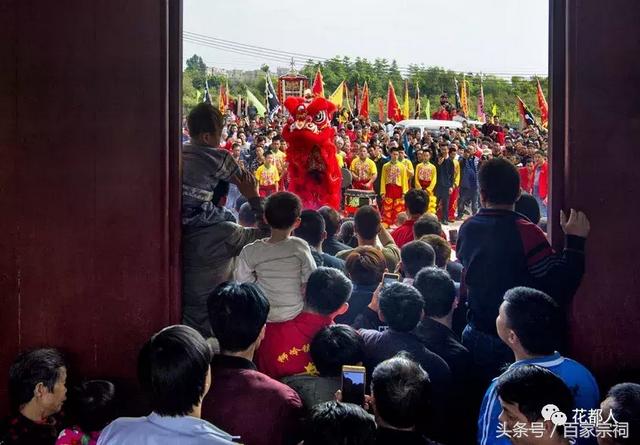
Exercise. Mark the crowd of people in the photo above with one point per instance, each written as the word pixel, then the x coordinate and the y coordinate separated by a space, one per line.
pixel 277 299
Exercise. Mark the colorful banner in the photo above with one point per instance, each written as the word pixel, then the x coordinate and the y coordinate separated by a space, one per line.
pixel 318 85
pixel 393 107
pixel 542 104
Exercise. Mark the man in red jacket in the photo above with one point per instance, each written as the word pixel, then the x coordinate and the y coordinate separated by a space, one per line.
pixel 541 181
pixel 527 173
pixel 442 114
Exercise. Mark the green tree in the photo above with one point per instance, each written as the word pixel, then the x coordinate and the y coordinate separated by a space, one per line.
pixel 198 70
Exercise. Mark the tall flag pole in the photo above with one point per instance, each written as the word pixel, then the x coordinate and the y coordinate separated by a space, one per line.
pixel 207 96
pixel 481 115
pixel 273 105
pixel 542 104
pixel 346 97
pixel 526 117
pixel 318 85
pixel 393 107
pixel 458 101
pixel 418 104
pixel 364 103
pixel 405 105
pixel 464 102
pixel 356 101
pixel 427 109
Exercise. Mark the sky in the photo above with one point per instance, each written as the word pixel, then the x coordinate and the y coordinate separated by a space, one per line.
pixel 504 37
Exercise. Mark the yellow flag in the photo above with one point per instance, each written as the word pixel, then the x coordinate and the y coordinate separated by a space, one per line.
pixel 494 110
pixel 336 97
pixel 405 105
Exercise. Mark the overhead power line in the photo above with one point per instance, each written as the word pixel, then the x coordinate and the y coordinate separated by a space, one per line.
pixel 263 53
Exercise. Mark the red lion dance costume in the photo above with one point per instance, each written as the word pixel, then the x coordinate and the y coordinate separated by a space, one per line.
pixel 313 169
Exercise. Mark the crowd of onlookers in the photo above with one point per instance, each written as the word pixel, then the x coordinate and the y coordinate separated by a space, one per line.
pixel 461 340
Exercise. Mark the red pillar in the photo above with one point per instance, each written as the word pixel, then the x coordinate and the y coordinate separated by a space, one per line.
pixel 595 128
pixel 89 179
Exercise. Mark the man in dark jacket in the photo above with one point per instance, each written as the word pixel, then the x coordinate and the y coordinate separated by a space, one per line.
pixel 243 401
pixel 331 217
pixel 501 249
pixel 312 230
pixel 400 395
pixel 468 182
pixel 444 182
pixel 210 240
pixel 208 254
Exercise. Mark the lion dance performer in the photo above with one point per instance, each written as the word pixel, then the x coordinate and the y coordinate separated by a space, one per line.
pixel 313 169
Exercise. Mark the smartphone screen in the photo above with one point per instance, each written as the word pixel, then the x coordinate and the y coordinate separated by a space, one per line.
pixel 353 384
pixel 389 278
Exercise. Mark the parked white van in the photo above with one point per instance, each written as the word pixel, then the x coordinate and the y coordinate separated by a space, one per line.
pixel 429 125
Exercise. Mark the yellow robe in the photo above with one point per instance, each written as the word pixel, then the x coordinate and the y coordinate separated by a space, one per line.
pixel 424 171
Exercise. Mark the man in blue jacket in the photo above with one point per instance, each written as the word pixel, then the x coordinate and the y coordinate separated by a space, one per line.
pixel 530 324
pixel 468 182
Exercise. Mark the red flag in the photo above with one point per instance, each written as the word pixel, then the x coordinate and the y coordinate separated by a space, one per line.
pixel 393 107
pixel 318 85
pixel 364 102
pixel 542 104
pixel 380 111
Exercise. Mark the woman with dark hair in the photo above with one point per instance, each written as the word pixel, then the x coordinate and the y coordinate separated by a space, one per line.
pixel 365 266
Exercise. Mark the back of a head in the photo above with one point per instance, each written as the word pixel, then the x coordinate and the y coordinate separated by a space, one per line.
pixel 246 217
pixel 366 222
pixel 427 224
pixel 441 247
pixel 331 219
pixel 237 313
pixel 282 209
pixel 401 306
pixel 327 290
pixel 532 387
pixel 623 400
pixel 336 423
pixel 347 233
pixel 535 318
pixel 204 118
pixel 220 191
pixel 401 391
pixel 335 346
pixel 239 202
pixel 437 289
pixel 30 368
pixel 415 255
pixel 311 227
pixel 416 201
pixel 529 207
pixel 499 182
pixel 172 368
pixel 365 265
pixel 91 404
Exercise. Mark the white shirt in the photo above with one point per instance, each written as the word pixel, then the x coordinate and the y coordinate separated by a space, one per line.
pixel 159 430
pixel 280 269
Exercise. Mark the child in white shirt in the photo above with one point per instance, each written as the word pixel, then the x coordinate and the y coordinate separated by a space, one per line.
pixel 281 264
